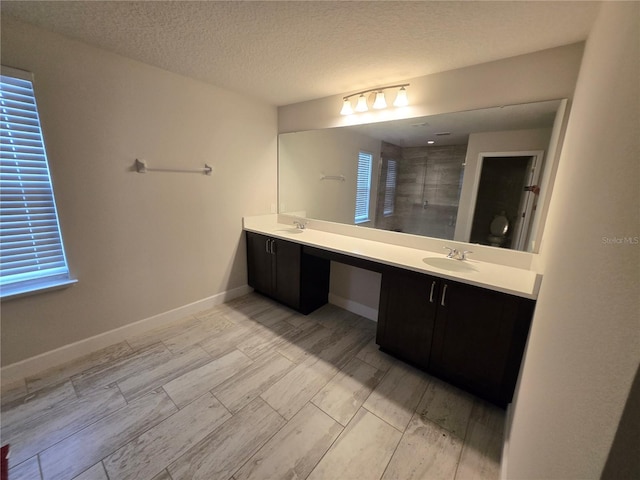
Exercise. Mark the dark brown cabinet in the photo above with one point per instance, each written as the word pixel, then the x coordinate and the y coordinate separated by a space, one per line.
pixel 479 339
pixel 406 317
pixel 278 268
pixel 469 336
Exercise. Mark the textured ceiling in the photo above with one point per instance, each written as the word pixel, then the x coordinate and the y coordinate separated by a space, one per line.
pixel 287 52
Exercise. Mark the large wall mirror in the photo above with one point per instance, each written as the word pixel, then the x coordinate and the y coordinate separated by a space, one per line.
pixel 479 176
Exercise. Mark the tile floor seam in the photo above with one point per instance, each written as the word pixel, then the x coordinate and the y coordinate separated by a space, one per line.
pixel 104 469
pixel 126 340
pixel 171 399
pixel 308 401
pixel 223 406
pixel 385 421
pixel 393 454
pixel 286 422
pixel 327 413
pixel 84 426
pixel 330 446
pixel 85 470
pixel 220 426
pixel 120 390
pixel 149 429
pixel 464 444
pixel 371 364
pixel 40 466
pixel 142 432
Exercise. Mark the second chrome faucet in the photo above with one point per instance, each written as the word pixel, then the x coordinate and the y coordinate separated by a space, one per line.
pixel 457 254
pixel 300 224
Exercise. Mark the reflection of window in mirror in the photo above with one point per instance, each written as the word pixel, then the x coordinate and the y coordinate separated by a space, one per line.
pixel 390 188
pixel 363 188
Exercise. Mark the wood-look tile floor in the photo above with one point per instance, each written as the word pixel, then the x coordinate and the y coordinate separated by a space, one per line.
pixel 248 390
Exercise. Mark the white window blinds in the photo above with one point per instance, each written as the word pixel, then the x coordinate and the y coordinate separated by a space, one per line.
pixel 31 251
pixel 390 188
pixel 363 189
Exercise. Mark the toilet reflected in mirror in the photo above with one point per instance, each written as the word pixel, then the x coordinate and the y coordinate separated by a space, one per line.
pixel 499 229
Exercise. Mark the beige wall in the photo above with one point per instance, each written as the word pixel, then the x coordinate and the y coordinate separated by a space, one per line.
pixel 139 245
pixel 546 75
pixel 584 345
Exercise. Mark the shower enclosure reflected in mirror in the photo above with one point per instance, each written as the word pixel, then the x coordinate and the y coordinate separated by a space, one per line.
pixel 479 176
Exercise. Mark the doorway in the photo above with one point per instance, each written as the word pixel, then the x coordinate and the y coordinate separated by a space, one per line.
pixel 507 186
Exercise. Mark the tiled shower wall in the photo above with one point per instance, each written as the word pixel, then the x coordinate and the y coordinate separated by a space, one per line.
pixel 427 189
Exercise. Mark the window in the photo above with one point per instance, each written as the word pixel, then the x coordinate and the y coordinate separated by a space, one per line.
pixel 390 188
pixel 363 188
pixel 31 251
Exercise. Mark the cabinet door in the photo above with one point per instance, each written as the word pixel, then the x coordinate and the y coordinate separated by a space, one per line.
pixel 408 304
pixel 479 338
pixel 286 278
pixel 259 263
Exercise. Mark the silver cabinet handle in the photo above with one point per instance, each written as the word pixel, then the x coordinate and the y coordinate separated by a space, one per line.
pixel 444 294
pixel 273 244
pixel 266 245
pixel 433 287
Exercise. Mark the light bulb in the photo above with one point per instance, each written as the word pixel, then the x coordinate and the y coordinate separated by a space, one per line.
pixel 380 101
pixel 361 106
pixel 401 99
pixel 347 109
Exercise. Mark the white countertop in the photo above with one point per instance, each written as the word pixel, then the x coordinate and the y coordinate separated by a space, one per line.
pixel 515 281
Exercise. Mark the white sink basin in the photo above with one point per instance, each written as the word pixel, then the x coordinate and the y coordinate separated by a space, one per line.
pixel 290 230
pixel 449 264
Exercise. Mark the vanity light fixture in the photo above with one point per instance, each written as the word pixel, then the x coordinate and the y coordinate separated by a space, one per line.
pixel 401 99
pixel 347 109
pixel 380 101
pixel 361 106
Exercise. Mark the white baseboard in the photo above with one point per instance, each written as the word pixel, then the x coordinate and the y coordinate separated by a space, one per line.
pixel 67 353
pixel 354 307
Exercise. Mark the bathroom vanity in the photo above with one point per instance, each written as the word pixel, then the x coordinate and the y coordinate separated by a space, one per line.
pixel 465 322
pixel 278 268
pixel 472 337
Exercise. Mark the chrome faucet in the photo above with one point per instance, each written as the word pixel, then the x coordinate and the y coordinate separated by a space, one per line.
pixel 457 254
pixel 453 252
pixel 300 224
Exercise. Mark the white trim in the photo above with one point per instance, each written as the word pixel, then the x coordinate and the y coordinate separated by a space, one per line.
pixel 354 307
pixel 36 286
pixel 72 351
pixel 548 177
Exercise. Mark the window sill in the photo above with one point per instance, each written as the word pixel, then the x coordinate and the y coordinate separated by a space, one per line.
pixel 41 286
